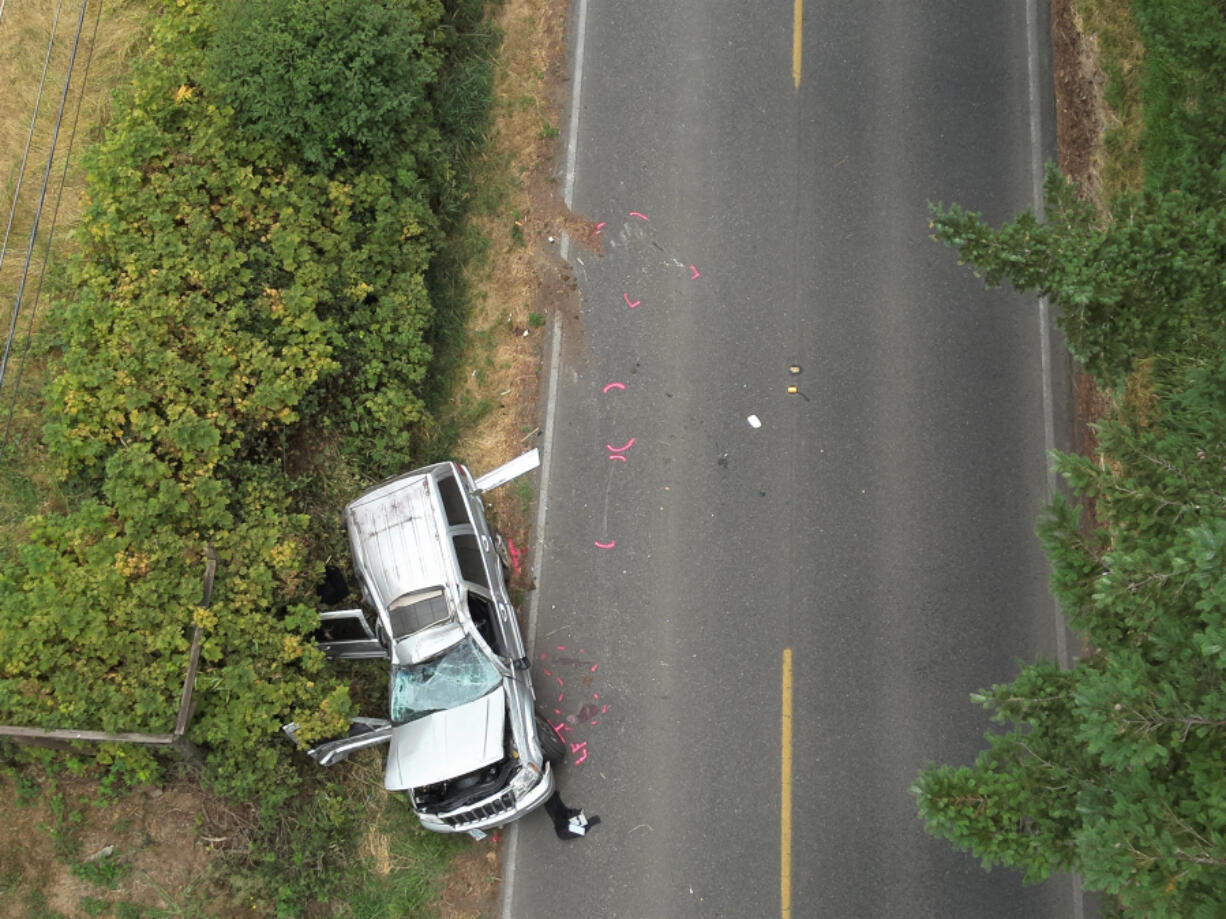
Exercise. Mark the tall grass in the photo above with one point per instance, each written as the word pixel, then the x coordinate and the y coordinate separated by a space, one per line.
pixel 37 38
pixel 462 102
pixel 1121 57
pixel 1183 92
pixel 1165 62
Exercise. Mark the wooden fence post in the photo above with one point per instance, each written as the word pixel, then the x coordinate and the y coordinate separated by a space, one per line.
pixel 63 738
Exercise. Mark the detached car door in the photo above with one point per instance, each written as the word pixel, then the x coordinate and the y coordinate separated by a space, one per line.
pixel 363 733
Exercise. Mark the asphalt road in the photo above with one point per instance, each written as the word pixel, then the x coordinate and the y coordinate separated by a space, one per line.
pixel 877 525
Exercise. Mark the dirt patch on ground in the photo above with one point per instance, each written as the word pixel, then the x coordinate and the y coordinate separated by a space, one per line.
pixel 71 850
pixel 472 888
pixel 1081 111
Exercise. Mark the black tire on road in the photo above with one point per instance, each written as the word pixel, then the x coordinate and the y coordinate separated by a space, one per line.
pixel 552 746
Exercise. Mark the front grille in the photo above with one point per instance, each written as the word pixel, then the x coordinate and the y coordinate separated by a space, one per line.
pixel 500 805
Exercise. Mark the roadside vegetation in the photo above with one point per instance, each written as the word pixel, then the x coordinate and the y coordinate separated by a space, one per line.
pixel 262 307
pixel 1114 769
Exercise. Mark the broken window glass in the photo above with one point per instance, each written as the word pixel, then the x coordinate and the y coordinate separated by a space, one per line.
pixel 459 675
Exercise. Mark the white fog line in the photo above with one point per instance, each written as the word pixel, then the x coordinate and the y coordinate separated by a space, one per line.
pixel 1045 356
pixel 1049 425
pixel 508 875
pixel 538 549
pixel 576 87
pixel 551 405
pixel 542 499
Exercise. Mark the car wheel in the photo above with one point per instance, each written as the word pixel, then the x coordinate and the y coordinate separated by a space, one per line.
pixel 553 747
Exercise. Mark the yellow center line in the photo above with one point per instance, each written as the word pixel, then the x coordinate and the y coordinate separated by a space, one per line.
pixel 798 18
pixel 785 798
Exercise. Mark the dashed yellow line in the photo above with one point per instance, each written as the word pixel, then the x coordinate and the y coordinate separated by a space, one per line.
pixel 798 20
pixel 785 797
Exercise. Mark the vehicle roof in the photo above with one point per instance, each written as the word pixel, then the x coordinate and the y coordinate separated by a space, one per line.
pixel 399 539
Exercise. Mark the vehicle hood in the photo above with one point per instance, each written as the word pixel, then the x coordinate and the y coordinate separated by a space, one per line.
pixel 447 744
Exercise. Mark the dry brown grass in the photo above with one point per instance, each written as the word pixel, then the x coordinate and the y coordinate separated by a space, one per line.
pixel 1113 49
pixel 1096 43
pixel 522 282
pixel 101 64
pixel 27 120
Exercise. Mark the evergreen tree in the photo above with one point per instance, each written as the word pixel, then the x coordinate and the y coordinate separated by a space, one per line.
pixel 1117 769
pixel 1149 281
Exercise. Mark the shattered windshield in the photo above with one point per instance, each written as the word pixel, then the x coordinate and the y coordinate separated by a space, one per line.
pixel 459 675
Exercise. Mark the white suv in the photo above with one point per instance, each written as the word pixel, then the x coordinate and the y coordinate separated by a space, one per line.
pixel 465 741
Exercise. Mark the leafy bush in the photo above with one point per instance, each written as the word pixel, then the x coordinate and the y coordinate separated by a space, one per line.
pixel 221 303
pixel 329 81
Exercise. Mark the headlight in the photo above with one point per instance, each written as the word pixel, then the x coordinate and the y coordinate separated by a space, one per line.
pixel 525 780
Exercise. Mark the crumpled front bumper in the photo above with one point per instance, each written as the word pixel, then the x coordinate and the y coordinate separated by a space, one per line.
pixel 494 811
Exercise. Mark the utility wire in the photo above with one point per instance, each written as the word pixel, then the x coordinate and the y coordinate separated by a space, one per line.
pixel 55 213
pixel 38 101
pixel 42 194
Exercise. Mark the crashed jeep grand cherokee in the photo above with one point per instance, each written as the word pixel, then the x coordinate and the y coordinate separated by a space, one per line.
pixel 464 739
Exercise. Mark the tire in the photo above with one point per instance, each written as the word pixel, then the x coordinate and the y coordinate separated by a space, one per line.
pixel 553 748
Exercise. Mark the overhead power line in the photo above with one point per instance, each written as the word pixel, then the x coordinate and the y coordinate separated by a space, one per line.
pixel 38 101
pixel 42 194
pixel 55 211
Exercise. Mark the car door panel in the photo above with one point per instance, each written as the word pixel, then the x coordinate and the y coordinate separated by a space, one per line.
pixel 346 635
pixel 508 472
pixel 363 733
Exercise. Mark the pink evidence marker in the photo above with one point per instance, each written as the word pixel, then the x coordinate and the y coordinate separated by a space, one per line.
pixel 516 555
pixel 613 385
pixel 639 215
pixel 626 297
pixel 695 274
pixel 622 449
pixel 606 545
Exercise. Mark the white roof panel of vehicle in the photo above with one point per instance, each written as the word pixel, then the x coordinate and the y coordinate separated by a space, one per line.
pixel 397 541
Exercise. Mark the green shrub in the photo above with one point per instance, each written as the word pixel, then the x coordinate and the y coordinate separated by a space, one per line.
pixel 237 292
pixel 329 81
pixel 1183 89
